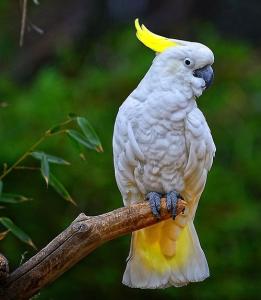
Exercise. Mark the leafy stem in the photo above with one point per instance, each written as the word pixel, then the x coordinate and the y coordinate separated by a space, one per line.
pixel 50 132
pixel 81 134
pixel 21 158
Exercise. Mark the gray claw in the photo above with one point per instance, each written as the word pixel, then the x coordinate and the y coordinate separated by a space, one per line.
pixel 172 199
pixel 154 200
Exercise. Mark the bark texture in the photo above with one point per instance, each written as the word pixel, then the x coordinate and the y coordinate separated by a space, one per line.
pixel 83 236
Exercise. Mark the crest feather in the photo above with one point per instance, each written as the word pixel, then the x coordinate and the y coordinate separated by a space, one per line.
pixel 151 40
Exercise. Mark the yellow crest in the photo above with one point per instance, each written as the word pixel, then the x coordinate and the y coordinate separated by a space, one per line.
pixel 151 40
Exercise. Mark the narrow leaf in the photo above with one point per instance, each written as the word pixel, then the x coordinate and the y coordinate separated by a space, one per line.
pixel 80 138
pixel 13 198
pixel 19 233
pixel 51 158
pixel 45 168
pixel 89 133
pixel 79 148
pixel 3 234
pixel 60 189
pixel 82 156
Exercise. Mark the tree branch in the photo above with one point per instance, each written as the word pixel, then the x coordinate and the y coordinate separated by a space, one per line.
pixel 83 236
pixel 23 22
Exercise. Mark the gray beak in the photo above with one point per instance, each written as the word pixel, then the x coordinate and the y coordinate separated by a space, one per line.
pixel 206 73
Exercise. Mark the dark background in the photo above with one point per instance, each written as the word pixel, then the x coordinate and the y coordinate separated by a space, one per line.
pixel 88 61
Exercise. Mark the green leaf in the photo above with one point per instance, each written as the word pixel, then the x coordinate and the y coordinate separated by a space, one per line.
pixel 89 133
pixel 81 139
pixel 13 198
pixel 79 148
pixel 51 158
pixel 45 170
pixel 60 189
pixel 19 233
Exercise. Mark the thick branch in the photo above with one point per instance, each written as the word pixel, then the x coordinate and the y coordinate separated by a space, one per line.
pixel 83 236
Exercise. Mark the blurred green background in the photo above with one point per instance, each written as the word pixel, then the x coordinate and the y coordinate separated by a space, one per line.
pixel 88 61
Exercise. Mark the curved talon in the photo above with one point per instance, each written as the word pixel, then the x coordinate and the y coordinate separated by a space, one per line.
pixel 172 199
pixel 154 200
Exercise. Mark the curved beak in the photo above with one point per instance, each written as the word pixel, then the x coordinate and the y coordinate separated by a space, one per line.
pixel 206 73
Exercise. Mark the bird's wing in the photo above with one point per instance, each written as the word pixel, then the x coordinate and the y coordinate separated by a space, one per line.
pixel 127 158
pixel 201 150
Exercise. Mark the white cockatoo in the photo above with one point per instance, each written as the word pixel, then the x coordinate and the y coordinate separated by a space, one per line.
pixel 162 146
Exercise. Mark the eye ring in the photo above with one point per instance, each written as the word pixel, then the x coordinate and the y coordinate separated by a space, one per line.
pixel 188 62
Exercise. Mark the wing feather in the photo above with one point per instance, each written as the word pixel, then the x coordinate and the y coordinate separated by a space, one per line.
pixel 201 149
pixel 127 159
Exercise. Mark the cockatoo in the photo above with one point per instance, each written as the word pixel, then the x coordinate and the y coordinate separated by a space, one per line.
pixel 162 146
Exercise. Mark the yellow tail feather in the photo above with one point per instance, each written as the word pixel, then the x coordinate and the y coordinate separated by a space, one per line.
pixel 160 251
pixel 165 254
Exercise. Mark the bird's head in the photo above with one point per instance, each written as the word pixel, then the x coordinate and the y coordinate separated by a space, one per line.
pixel 187 62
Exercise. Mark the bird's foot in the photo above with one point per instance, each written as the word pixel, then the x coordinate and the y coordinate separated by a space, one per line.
pixel 172 199
pixel 154 200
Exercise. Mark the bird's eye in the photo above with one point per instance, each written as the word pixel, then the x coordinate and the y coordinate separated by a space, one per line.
pixel 187 62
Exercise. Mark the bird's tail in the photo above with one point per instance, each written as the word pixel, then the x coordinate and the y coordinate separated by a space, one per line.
pixel 165 254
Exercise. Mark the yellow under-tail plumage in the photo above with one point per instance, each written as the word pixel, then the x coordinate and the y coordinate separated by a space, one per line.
pixel 169 255
pixel 161 247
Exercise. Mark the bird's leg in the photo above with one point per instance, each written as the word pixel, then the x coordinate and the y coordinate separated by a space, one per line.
pixel 154 200
pixel 172 199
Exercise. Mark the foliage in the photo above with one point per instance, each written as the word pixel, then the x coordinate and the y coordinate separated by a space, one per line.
pixel 95 84
pixel 88 138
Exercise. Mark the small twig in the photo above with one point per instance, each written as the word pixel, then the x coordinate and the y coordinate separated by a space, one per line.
pixel 27 168
pixel 23 22
pixel 35 28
